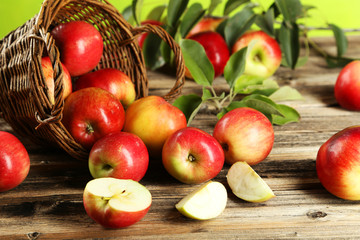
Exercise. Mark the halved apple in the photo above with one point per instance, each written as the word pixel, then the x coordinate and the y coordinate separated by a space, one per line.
pixel 205 202
pixel 246 184
pixel 116 203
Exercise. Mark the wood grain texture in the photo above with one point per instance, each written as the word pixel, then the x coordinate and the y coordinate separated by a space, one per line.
pixel 48 204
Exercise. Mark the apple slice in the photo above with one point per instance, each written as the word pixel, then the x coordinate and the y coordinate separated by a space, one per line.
pixel 206 202
pixel 246 184
pixel 116 203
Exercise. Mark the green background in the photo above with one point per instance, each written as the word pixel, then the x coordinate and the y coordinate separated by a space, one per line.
pixel 14 13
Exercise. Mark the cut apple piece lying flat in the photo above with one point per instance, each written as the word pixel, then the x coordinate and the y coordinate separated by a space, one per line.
pixel 206 202
pixel 116 203
pixel 246 184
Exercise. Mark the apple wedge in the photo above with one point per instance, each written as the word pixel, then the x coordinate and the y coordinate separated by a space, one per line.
pixel 116 203
pixel 246 184
pixel 205 202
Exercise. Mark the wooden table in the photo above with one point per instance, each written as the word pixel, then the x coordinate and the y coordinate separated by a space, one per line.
pixel 48 204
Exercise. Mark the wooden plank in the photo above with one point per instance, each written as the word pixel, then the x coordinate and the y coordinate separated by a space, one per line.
pixel 48 204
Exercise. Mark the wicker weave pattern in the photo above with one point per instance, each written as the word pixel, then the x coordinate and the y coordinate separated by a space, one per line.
pixel 24 101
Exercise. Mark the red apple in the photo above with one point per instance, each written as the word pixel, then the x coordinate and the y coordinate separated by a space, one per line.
pixel 245 135
pixel 116 203
pixel 192 156
pixel 142 37
pixel 14 161
pixel 111 80
pixel 80 45
pixel 153 120
pixel 215 48
pixel 90 114
pixel 119 155
pixel 338 164
pixel 347 86
pixel 206 24
pixel 264 57
pixel 49 79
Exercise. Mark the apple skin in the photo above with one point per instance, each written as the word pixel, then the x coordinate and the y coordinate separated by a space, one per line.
pixel 141 38
pixel 206 24
pixel 153 120
pixel 80 45
pixel 119 155
pixel 245 135
pixel 215 48
pixel 101 210
pixel 49 79
pixel 192 156
pixel 347 86
pixel 111 80
pixel 338 164
pixel 265 55
pixel 90 114
pixel 14 161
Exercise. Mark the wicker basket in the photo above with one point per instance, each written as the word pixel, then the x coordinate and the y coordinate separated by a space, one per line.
pixel 24 101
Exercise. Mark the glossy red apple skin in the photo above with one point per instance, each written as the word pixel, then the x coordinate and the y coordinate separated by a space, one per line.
pixel 119 155
pixel 80 45
pixel 49 79
pixel 111 80
pixel 141 38
pixel 347 86
pixel 206 24
pixel 14 161
pixel 338 164
pixel 216 49
pixel 245 135
pixel 192 156
pixel 265 55
pixel 90 114
pixel 153 120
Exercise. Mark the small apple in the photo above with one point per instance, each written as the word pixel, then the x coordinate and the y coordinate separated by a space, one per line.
pixel 119 155
pixel 209 23
pixel 245 135
pixel 192 156
pixel 347 86
pixel 111 80
pixel 142 37
pixel 246 184
pixel 215 48
pixel 90 114
pixel 264 56
pixel 153 120
pixel 116 203
pixel 338 164
pixel 206 202
pixel 14 161
pixel 80 45
pixel 49 79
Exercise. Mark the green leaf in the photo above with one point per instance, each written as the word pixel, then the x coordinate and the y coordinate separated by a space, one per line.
pixel 175 10
pixel 334 62
pixel 156 13
pixel 289 115
pixel 285 93
pixel 290 43
pixel 212 6
pixel 341 40
pixel 197 62
pixel 137 9
pixel 290 9
pixel 151 51
pixel 248 84
pixel 188 104
pixel 235 66
pixel 238 25
pixel 266 22
pixel 206 95
pixel 262 104
pixel 231 5
pixel 127 13
pixel 231 106
pixel 192 16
